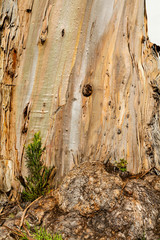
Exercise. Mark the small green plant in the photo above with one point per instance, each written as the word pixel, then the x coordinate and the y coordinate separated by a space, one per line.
pixel 122 165
pixel 42 234
pixel 36 234
pixel 38 175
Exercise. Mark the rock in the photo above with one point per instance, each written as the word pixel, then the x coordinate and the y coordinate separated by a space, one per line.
pixel 157 185
pixel 94 204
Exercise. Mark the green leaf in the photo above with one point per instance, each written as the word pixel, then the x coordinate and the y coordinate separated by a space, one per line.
pixel 122 165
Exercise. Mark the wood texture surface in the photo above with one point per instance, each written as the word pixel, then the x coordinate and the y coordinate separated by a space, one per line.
pixel 50 50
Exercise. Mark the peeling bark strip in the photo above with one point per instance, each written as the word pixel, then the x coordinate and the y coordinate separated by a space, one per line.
pixel 49 51
pixel 26 115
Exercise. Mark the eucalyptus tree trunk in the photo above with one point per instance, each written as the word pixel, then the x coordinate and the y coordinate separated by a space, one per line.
pixel 85 75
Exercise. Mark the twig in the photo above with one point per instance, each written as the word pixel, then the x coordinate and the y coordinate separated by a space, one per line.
pixel 25 210
pixel 18 233
pixel 15 231
pixel 26 230
pixel 18 204
pixel 1 210
pixel 124 186
pixel 2 214
pixel 142 174
pixel 146 172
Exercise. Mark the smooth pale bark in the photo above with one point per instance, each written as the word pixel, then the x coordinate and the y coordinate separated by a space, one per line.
pixel 49 51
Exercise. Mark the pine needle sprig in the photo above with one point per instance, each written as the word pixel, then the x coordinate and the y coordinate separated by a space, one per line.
pixel 38 174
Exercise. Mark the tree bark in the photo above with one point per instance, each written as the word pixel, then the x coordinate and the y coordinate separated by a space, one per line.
pixel 85 74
